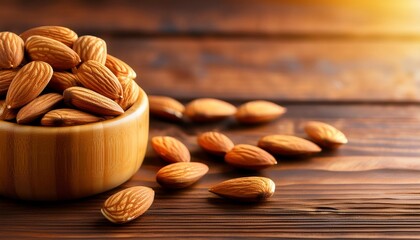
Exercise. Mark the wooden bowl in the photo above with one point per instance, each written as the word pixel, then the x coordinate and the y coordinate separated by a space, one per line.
pixel 58 163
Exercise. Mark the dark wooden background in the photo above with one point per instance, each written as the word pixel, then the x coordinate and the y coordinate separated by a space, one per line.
pixel 354 64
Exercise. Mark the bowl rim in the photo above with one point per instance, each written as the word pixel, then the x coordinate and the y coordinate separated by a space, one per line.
pixel 138 108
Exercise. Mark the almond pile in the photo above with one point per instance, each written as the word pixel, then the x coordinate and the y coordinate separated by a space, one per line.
pixel 51 77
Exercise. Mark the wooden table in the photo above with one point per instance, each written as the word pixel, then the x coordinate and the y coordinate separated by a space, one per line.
pixel 353 65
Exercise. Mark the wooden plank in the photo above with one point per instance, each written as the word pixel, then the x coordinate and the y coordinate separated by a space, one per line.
pixel 368 189
pixel 248 17
pixel 287 70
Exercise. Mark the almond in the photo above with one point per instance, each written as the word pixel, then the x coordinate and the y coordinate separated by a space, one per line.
pixel 128 204
pixel 215 143
pixel 68 117
pixel 249 157
pixel 38 107
pixel 246 189
pixel 131 92
pixel 11 50
pixel 91 48
pixel 119 67
pixel 325 135
pixel 5 113
pixel 288 145
pixel 166 108
pixel 61 34
pixel 100 79
pixel 181 174
pixel 6 77
pixel 60 81
pixel 209 109
pixel 28 83
pixel 57 54
pixel 255 112
pixel 90 101
pixel 170 149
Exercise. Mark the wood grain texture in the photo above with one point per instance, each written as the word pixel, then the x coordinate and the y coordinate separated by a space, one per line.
pixel 368 189
pixel 50 163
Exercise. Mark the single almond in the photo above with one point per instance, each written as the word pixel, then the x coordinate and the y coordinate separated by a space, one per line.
pixel 11 50
pixel 181 174
pixel 288 145
pixel 209 109
pixel 100 79
pixel 166 108
pixel 246 189
pixel 5 113
pixel 131 92
pixel 61 34
pixel 28 83
pixel 249 157
pixel 325 135
pixel 170 149
pixel 38 107
pixel 6 77
pixel 60 81
pixel 259 111
pixel 68 117
pixel 215 143
pixel 119 67
pixel 128 204
pixel 51 51
pixel 91 48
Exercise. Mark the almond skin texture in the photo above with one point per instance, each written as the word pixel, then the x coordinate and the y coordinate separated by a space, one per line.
pixel 91 48
pixel 131 92
pixel 6 77
pixel 119 67
pixel 92 102
pixel 325 135
pixel 245 189
pixel 60 81
pixel 287 145
pixel 68 117
pixel 209 110
pixel 170 149
pixel 55 53
pixel 128 204
pixel 38 107
pixel 5 113
pixel 249 157
pixel 256 112
pixel 11 50
pixel 181 174
pixel 61 34
pixel 100 79
pixel 166 108
pixel 215 143
pixel 28 83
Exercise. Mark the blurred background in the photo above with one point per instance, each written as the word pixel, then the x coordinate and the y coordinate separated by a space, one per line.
pixel 290 50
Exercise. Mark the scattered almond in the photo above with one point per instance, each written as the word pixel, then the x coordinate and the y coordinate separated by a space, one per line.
pixel 215 143
pixel 61 34
pixel 60 81
pixel 91 48
pixel 209 109
pixel 247 189
pixel 55 53
pixel 12 50
pixel 288 145
pixel 259 112
pixel 119 67
pixel 131 92
pixel 6 77
pixel 68 117
pixel 249 157
pixel 100 79
pixel 28 83
pixel 325 135
pixel 90 101
pixel 38 107
pixel 181 174
pixel 170 149
pixel 128 204
pixel 166 108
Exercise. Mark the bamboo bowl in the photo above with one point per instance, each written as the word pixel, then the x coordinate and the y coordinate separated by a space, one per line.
pixel 61 163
